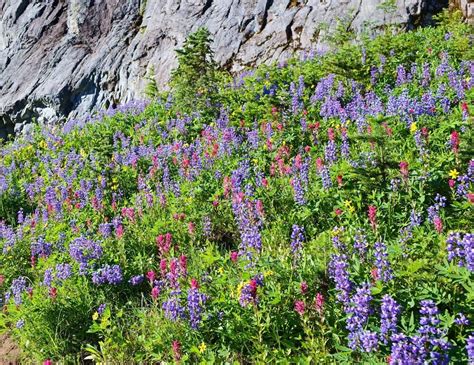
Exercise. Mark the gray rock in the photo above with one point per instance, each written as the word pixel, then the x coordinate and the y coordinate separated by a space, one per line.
pixel 66 58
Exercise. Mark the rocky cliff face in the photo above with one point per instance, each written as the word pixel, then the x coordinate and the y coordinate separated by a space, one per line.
pixel 62 58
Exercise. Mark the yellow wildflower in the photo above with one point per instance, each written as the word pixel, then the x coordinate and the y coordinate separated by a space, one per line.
pixel 268 273
pixel 336 232
pixel 95 316
pixel 220 270
pixel 349 206
pixel 239 288
pixel 453 174
pixel 413 127
pixel 202 347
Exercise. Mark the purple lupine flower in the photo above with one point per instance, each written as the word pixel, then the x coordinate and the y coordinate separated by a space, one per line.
pixel 463 185
pixel 105 229
pixel 429 319
pixel 259 279
pixel 345 148
pixel 20 216
pixel 300 87
pixel 425 81
pixel 41 248
pixel 389 311
pixel 452 246
pixel 207 226
pixel 433 210
pixel 407 350
pixel 420 143
pixel 338 272
pixel 461 248
pixel 252 139
pixel 304 124
pixel 294 98
pixel 382 264
pixel 461 320
pixel 401 75
pixel 196 300
pixel 249 222
pixel 468 245
pixel 98 278
pixel 415 219
pixel 361 244
pixel 336 239
pixel 240 175
pixel 136 280
pixel 20 323
pixel 83 250
pixel 374 71
pixel 324 173
pixel 304 171
pixel 248 294
pixel 101 308
pixel 369 341
pixel 322 88
pixel 48 277
pixel 330 153
pixel 107 274
pixel 173 274
pixel 63 271
pixel 470 348
pixel 172 307
pixel 297 239
pixel 430 332
pixel 17 288
pixel 358 311
pixel 298 191
pixel 3 184
pixel 8 234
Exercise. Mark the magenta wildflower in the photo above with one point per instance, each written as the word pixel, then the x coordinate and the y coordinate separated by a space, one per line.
pixel 164 243
pixel 303 287
pixel 438 223
pixel 155 291
pixel 234 256
pixel 300 307
pixel 404 169
pixel 454 139
pixel 163 267
pixel 183 265
pixel 319 303
pixel 150 275
pixel 176 350
pixel 372 214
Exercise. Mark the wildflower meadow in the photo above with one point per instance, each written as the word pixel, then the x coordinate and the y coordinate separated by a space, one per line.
pixel 318 211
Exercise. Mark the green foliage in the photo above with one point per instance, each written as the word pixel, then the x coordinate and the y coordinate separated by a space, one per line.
pixel 387 6
pixel 151 88
pixel 194 81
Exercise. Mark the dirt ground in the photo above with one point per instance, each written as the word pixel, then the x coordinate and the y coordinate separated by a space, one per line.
pixel 9 352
